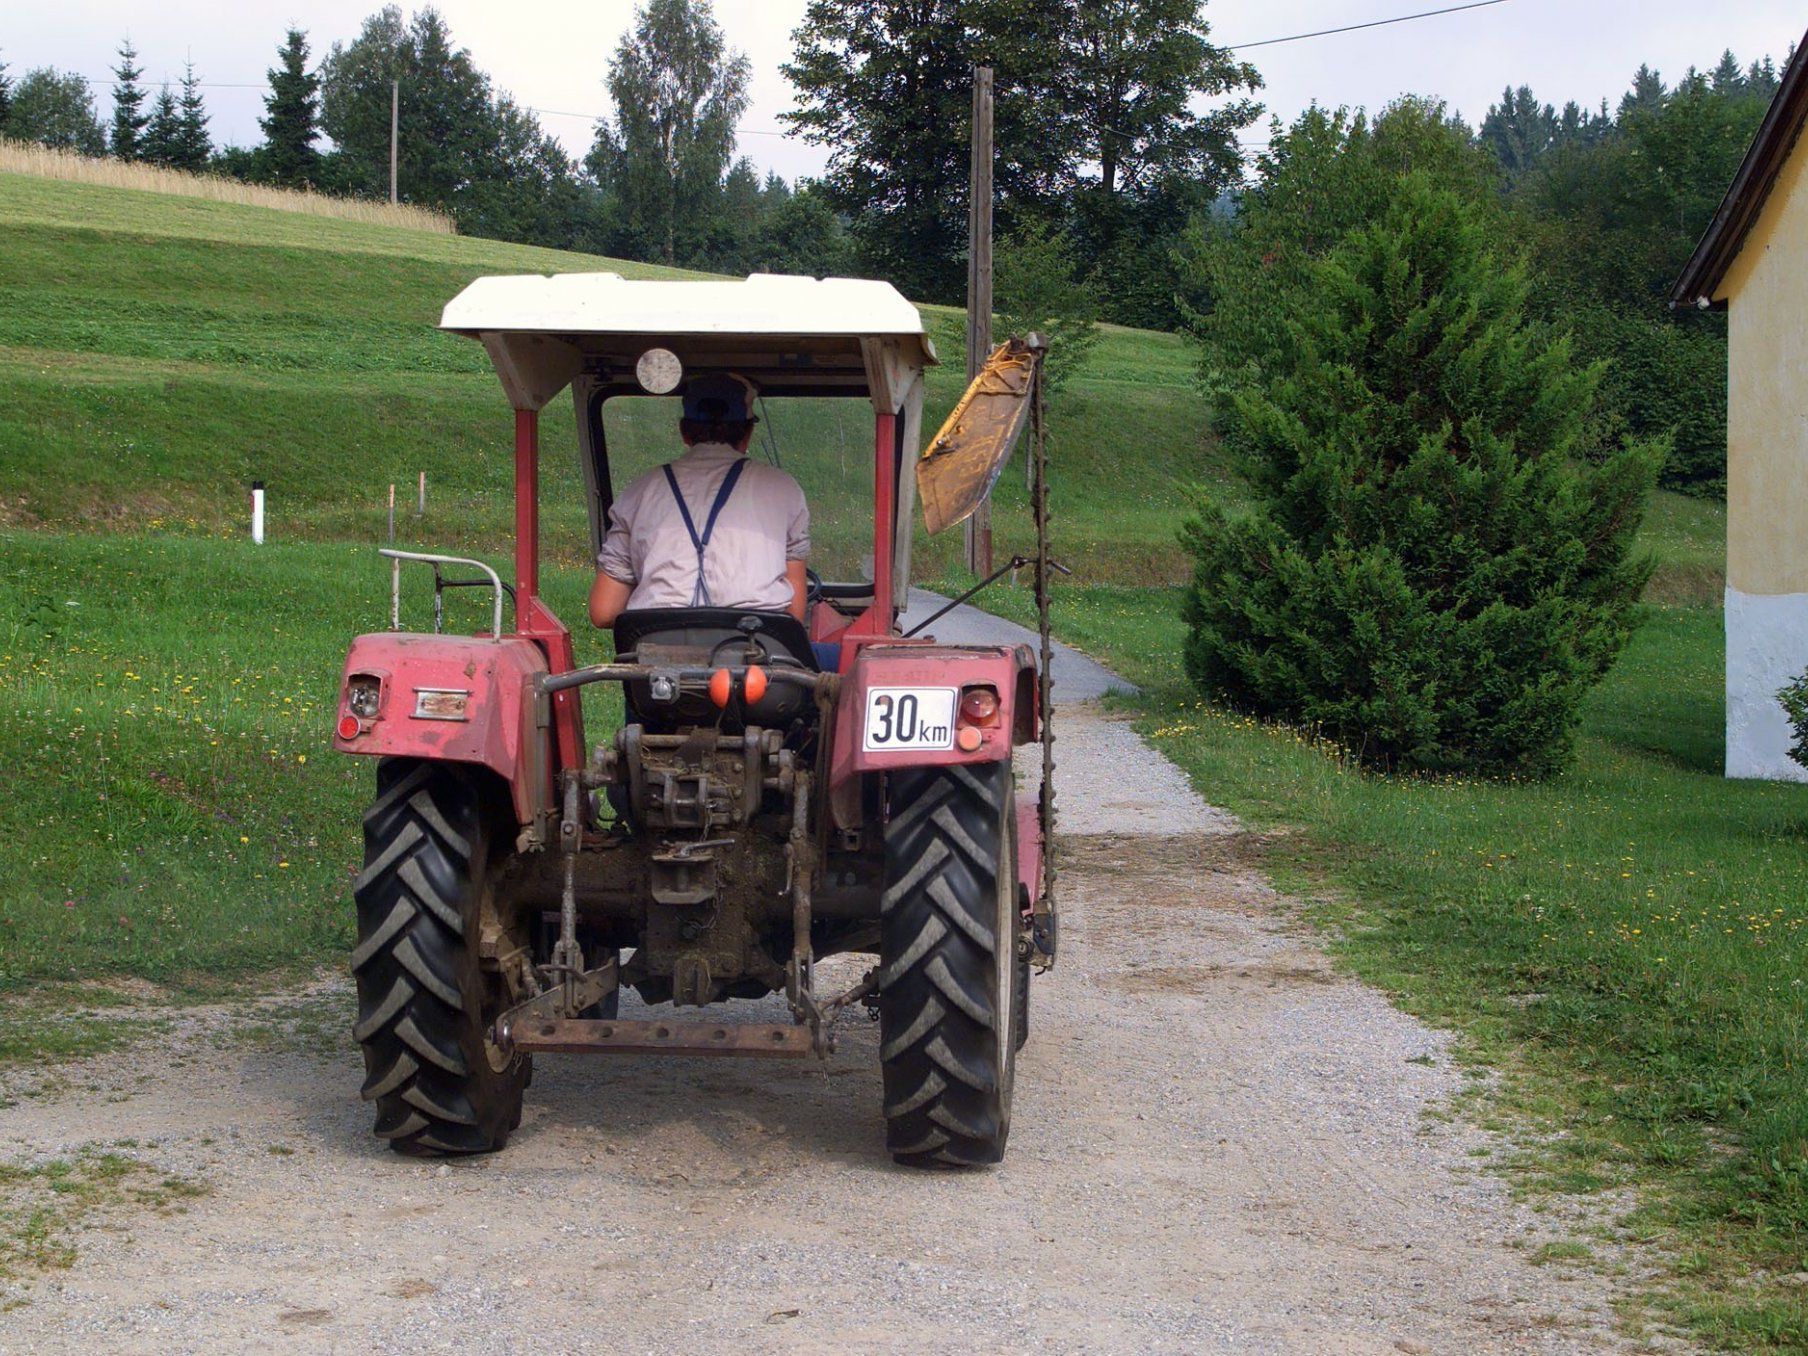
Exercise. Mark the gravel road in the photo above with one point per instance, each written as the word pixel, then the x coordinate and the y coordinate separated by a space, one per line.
pixel 1219 1145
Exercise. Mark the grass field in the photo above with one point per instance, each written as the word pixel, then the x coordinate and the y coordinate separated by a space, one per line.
pixel 1623 942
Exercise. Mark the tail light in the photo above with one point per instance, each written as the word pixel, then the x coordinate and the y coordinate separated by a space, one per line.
pixel 979 706
pixel 978 713
pixel 363 695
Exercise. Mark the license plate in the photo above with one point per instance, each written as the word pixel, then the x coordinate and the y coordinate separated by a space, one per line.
pixel 909 718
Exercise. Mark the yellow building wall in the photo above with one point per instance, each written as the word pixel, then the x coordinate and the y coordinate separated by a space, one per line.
pixel 1767 395
pixel 1766 292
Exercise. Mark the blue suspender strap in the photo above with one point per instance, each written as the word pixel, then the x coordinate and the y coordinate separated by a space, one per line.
pixel 728 484
pixel 700 594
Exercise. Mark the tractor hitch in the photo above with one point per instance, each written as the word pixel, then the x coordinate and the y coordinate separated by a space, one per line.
pixel 577 1036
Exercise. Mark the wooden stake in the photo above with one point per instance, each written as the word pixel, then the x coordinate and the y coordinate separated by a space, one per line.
pixel 977 537
pixel 420 506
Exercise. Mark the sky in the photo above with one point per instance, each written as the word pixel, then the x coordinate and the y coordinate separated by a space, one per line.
pixel 552 54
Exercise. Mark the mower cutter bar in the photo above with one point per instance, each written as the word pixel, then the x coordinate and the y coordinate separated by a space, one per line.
pixel 579 1036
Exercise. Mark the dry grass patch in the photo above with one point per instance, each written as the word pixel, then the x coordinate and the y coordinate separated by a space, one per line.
pixel 47 162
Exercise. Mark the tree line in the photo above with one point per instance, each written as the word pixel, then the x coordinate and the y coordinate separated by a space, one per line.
pixel 661 181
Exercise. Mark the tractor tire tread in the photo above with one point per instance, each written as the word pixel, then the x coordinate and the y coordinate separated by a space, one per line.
pixel 946 1095
pixel 419 1010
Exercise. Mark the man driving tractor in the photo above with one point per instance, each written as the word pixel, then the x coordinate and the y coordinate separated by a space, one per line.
pixel 711 529
pixel 775 805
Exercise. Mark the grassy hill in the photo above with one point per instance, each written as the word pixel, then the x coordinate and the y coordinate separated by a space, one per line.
pixel 158 353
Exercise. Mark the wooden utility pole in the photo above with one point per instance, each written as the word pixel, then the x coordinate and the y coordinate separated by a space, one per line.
pixel 395 121
pixel 978 539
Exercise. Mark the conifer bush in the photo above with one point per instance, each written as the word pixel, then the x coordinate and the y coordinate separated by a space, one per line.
pixel 1428 572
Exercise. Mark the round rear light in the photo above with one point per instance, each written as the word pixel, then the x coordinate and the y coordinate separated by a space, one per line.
pixel 978 705
pixel 968 738
pixel 350 727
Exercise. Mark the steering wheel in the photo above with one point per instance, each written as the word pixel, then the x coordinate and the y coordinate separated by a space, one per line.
pixel 812 586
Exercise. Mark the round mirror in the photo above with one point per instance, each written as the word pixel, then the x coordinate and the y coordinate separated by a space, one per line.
pixel 659 371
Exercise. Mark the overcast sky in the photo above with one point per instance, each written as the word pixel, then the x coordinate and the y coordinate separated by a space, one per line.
pixel 552 54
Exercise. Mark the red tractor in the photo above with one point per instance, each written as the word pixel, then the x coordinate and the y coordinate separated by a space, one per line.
pixel 757 810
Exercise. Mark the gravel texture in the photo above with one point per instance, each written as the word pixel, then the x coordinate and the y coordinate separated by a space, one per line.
pixel 1219 1145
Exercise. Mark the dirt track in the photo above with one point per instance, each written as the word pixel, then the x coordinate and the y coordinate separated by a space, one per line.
pixel 1218 1145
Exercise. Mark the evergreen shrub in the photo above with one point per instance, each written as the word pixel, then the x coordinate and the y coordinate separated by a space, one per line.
pixel 1428 572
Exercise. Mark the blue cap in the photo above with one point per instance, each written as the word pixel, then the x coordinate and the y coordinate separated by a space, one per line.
pixel 718 398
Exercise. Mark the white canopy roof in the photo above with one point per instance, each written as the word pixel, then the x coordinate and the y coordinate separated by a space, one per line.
pixel 541 331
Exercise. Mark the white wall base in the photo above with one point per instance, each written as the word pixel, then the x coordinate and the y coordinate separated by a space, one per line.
pixel 1766 646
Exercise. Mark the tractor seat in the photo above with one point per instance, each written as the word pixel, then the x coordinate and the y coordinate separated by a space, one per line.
pixel 700 637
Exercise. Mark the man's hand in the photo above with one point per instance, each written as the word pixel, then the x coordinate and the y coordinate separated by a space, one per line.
pixel 608 597
pixel 797 576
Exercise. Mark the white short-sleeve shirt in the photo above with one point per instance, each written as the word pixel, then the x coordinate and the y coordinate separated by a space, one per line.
pixel 764 525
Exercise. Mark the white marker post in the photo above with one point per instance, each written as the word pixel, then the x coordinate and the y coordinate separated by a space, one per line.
pixel 395 571
pixel 257 512
pixel 420 504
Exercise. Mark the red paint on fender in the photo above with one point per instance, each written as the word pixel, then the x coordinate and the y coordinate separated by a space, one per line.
pixel 499 723
pixel 893 662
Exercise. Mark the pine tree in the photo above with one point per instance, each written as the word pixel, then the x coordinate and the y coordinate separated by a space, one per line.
pixel 1728 77
pixel 193 146
pixel 1519 130
pixel 129 117
pixel 1646 95
pixel 1429 575
pixel 6 96
pixel 163 131
pixel 291 119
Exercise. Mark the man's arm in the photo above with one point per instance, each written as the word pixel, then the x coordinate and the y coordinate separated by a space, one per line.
pixel 797 551
pixel 608 596
pixel 614 564
pixel 795 577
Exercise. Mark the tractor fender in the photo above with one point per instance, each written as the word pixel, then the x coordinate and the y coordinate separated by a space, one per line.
pixel 454 699
pixel 926 666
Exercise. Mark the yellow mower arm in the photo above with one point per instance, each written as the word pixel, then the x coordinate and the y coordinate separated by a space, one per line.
pixel 963 460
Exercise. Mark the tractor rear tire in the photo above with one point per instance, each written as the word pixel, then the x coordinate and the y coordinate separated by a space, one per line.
pixel 948 964
pixel 424 1002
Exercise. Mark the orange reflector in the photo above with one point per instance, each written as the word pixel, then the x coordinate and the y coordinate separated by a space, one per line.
pixel 721 687
pixel 968 738
pixel 350 727
pixel 753 686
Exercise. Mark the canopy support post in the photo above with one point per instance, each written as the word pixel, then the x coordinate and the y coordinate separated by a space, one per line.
pixel 527 507
pixel 885 490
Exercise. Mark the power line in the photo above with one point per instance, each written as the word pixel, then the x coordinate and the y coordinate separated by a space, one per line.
pixel 1373 23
